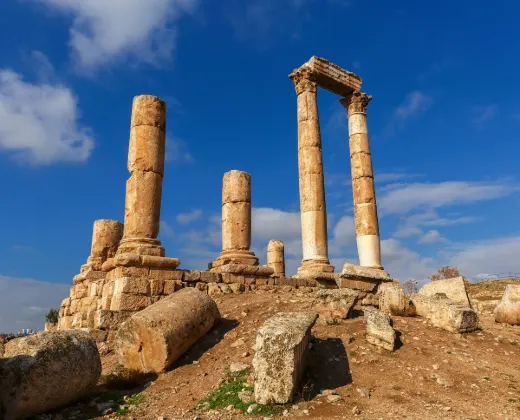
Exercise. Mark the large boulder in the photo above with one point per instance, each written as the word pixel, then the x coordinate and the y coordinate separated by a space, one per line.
pixel 379 329
pixel 154 338
pixel 454 289
pixel 444 313
pixel 334 305
pixel 281 352
pixel 392 299
pixel 508 310
pixel 46 370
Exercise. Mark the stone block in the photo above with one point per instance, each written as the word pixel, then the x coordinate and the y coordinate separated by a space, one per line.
pixel 65 323
pixel 363 285
pixel 352 271
pixel 106 302
pixel 152 339
pixel 203 287
pixel 129 302
pixel 43 371
pixel 166 274
pixel 191 275
pixel 156 287
pixel 171 286
pixel 333 305
pixel 454 289
pixel 66 302
pixel 379 329
pixel 213 289
pixel 225 288
pixel 237 287
pixel 209 277
pixel 392 299
pixel 129 272
pixel 282 345
pixel 134 285
pixel 108 289
pixel 232 278
pixel 443 313
pixel 508 309
pixel 110 320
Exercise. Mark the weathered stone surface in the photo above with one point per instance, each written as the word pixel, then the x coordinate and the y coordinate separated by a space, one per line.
pixel 392 299
pixel 454 289
pixel 110 320
pixel 352 271
pixel 379 329
pixel 152 339
pixel 259 270
pixel 508 310
pixel 106 235
pixel 135 285
pixel 129 302
pixel 281 353
pixel 46 370
pixel 276 257
pixel 334 305
pixel 444 313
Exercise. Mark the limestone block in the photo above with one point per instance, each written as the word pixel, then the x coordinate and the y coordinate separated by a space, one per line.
pixel 132 271
pixel 110 320
pixel 367 285
pixel 334 305
pixel 444 313
pixel 135 285
pixel 92 289
pixel 209 277
pixel 152 339
pixel 259 270
pixel 159 261
pixel 224 288
pixel 379 329
pixel 156 287
pixel 106 301
pixel 237 287
pixel 236 187
pixel 392 299
pixel 203 287
pixel 105 241
pixel 454 289
pixel 129 302
pixel 276 257
pixel 148 110
pixel 236 226
pixel 88 303
pixel 171 286
pixel 78 320
pixel 352 271
pixel 192 275
pixel 146 151
pixel 508 310
pixel 232 278
pixel 74 305
pixel 365 216
pixel 44 371
pixel 166 274
pixel 213 289
pixel 66 302
pixel 281 354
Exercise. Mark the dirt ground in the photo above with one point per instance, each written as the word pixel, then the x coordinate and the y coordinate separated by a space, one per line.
pixel 433 374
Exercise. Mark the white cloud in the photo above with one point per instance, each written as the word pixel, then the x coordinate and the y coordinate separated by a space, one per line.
pixel 268 223
pixel 165 229
pixel 105 31
pixel 415 103
pixel 432 237
pixel 177 151
pixel 402 198
pixel 25 302
pixel 186 218
pixel 410 225
pixel 385 177
pixel 39 122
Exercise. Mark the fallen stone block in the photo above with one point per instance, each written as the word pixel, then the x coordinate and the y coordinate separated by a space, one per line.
pixel 334 305
pixel 392 299
pixel 454 289
pixel 154 338
pixel 508 310
pixel 379 329
pixel 281 354
pixel 46 370
pixel 444 313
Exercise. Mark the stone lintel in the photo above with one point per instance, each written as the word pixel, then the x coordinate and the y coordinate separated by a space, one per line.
pixel 134 260
pixel 258 270
pixel 351 271
pixel 331 77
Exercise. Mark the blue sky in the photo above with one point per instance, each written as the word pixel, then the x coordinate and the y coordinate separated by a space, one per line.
pixel 443 126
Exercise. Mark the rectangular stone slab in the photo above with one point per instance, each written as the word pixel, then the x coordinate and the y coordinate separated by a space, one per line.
pixel 281 355
pixel 332 77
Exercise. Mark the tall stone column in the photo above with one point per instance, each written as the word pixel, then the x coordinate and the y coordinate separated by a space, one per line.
pixel 276 258
pixel 365 208
pixel 236 220
pixel 312 187
pixel 144 187
pixel 106 236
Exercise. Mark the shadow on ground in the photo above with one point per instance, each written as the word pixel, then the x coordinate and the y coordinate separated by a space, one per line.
pixel 327 368
pixel 208 341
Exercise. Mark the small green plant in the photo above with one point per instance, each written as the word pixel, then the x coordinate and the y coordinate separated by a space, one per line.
pixel 122 378
pixel 486 378
pixel 227 395
pixel 130 401
pixel 511 400
pixel 52 316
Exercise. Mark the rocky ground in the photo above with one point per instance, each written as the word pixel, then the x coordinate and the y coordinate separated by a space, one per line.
pixel 432 375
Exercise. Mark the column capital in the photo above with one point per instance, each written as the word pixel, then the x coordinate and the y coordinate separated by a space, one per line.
pixel 356 102
pixel 303 81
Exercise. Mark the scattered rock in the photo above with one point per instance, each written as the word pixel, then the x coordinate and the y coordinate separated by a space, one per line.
pixel 392 298
pixel 379 329
pixel 251 409
pixel 454 289
pixel 508 309
pixel 356 411
pixel 333 398
pixel 246 397
pixel 238 343
pixel 333 305
pixel 363 392
pixel 238 367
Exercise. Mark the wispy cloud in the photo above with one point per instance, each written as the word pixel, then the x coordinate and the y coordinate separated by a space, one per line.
pixel 483 114
pixel 186 218
pixel 432 237
pixel 165 229
pixel 411 225
pixel 104 32
pixel 177 151
pixel 39 122
pixel 415 103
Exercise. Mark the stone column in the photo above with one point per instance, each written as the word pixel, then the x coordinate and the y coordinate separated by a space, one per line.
pixel 146 167
pixel 365 208
pixel 275 257
pixel 236 220
pixel 106 236
pixel 312 188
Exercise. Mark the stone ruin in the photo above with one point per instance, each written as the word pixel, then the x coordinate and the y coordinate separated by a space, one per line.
pixel 127 269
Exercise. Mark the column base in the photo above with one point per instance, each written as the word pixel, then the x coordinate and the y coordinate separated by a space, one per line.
pixel 141 246
pixel 235 257
pixel 320 266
